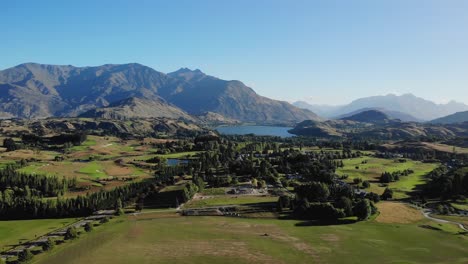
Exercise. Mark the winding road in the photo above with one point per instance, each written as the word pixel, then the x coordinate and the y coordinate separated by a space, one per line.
pixel 427 214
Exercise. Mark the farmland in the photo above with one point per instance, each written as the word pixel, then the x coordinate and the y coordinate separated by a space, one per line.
pixel 12 232
pixel 152 238
pixel 273 204
pixel 370 169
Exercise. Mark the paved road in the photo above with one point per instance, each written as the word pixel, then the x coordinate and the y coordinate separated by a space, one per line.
pixel 427 214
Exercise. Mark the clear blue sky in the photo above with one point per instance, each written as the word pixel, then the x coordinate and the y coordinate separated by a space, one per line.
pixel 324 51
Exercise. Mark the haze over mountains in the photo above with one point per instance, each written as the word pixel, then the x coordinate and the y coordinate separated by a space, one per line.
pixel 122 91
pixel 458 117
pixel 34 90
pixel 406 107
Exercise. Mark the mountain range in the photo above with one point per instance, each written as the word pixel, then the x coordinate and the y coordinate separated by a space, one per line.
pixel 406 107
pixel 34 90
pixel 378 125
pixel 458 117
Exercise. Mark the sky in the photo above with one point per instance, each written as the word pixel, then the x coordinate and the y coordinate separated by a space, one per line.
pixel 324 52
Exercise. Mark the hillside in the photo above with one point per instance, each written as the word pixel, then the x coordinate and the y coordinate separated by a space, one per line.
pixel 138 108
pixel 231 99
pixel 370 116
pixel 391 114
pixel 138 127
pixel 37 91
pixel 458 117
pixel 378 130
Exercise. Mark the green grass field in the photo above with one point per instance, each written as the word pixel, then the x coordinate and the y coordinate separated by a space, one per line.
pixel 228 200
pixel 179 155
pixel 374 167
pixel 85 145
pixel 214 191
pixel 94 169
pixel 166 238
pixel 12 232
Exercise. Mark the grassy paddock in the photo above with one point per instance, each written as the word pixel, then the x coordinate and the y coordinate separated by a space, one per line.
pixel 374 167
pixel 230 200
pixel 12 232
pixel 168 238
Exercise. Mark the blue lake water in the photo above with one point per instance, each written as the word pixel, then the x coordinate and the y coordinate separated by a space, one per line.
pixel 174 162
pixel 256 130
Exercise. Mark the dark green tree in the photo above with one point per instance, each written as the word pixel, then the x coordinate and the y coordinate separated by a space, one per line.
pixel 71 233
pixel 346 204
pixel 362 209
pixel 88 227
pixel 25 256
pixel 387 194
pixel 48 245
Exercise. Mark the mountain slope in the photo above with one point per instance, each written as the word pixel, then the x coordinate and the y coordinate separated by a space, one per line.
pixel 391 114
pixel 36 91
pixel 138 108
pixel 458 117
pixel 53 90
pixel 231 99
pixel 369 116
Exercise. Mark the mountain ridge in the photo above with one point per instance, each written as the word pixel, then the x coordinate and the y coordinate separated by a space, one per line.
pixel 458 117
pixel 65 90
pixel 410 104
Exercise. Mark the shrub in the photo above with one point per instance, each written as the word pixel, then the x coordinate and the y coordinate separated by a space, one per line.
pixel 48 245
pixel 88 227
pixel 365 184
pixel 25 256
pixel 357 180
pixel 71 233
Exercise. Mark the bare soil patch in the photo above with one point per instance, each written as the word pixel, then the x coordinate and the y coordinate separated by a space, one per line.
pixel 393 212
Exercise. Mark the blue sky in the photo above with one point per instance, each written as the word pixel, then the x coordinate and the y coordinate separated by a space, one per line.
pixel 327 52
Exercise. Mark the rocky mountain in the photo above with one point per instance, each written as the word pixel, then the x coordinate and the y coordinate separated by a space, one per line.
pixel 416 107
pixel 458 117
pixel 231 99
pixel 36 91
pixel 390 114
pixel 214 118
pixel 135 107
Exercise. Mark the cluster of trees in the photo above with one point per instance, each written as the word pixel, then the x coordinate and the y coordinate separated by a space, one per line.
pixel 75 139
pixel 10 144
pixel 19 206
pixel 329 202
pixel 447 183
pixel 388 177
pixel 14 183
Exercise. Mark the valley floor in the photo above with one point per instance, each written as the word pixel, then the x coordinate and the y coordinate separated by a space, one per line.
pixel 165 237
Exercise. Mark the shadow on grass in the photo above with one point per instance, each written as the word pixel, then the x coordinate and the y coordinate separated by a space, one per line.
pixel 326 223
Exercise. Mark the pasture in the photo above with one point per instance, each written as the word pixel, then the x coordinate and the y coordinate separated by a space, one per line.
pixel 165 237
pixel 15 231
pixel 230 200
pixel 370 169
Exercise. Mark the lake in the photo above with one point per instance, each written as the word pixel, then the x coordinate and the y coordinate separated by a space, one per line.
pixel 256 130
pixel 174 162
